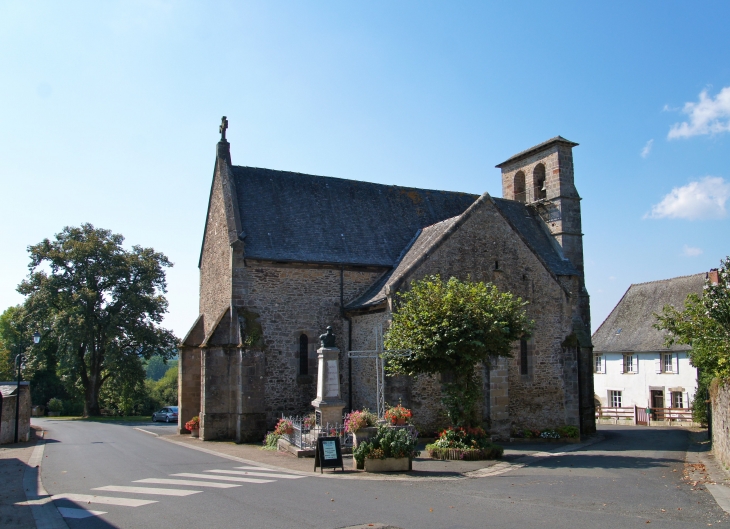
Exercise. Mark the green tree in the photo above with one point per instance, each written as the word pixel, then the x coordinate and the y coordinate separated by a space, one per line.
pixel 451 327
pixel 704 325
pixel 104 305
pixel 163 392
pixel 157 366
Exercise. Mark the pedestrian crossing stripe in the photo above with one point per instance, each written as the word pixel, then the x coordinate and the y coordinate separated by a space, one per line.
pixel 148 490
pixel 223 478
pixel 260 474
pixel 189 482
pixel 102 500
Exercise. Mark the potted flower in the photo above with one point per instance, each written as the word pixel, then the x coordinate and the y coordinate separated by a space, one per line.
pixel 398 415
pixel 309 422
pixel 284 427
pixel 361 424
pixel 470 444
pixel 391 450
pixel 193 425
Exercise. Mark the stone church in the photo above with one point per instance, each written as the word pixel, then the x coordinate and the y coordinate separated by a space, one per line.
pixel 285 255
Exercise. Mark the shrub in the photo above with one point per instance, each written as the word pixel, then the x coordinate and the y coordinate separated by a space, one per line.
pixel 55 404
pixel 474 444
pixel 388 442
pixel 569 431
pixel 549 434
pixel 271 441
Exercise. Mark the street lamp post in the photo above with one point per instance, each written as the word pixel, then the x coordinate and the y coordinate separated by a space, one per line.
pixel 18 360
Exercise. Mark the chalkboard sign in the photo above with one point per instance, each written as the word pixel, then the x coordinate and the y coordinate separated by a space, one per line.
pixel 328 454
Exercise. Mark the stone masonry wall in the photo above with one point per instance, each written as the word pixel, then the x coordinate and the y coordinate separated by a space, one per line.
pixel 720 397
pixel 189 385
pixel 287 302
pixel 215 265
pixel 7 428
pixel 536 400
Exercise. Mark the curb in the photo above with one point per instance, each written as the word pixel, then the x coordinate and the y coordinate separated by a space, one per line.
pixel 44 511
pixel 496 470
pixel 720 489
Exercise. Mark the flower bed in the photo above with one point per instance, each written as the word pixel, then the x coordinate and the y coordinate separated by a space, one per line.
pixel 470 444
pixel 398 443
pixel 564 432
pixel 357 419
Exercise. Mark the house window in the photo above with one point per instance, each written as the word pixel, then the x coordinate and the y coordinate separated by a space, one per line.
pixel 524 365
pixel 303 354
pixel 614 398
pixel 598 363
pixel 677 400
pixel 667 363
pixel 631 364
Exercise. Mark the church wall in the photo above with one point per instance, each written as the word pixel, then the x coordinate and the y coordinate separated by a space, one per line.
pixel 287 302
pixel 188 385
pixel 215 265
pixel 537 399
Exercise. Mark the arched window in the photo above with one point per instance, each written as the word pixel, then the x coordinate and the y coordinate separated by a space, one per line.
pixel 303 354
pixel 520 186
pixel 538 182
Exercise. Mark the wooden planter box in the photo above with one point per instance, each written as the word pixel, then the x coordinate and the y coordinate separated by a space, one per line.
pixel 389 464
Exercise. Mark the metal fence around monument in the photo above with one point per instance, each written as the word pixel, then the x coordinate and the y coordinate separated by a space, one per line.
pixel 305 437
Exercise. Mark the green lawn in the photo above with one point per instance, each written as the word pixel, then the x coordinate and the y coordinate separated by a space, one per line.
pixel 131 418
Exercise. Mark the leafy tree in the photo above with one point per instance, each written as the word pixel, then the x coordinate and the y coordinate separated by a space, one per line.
pixel 103 305
pixel 157 366
pixel 451 327
pixel 164 391
pixel 704 324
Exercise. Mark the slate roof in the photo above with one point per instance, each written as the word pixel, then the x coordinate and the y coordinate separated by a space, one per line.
pixel 536 148
pixel 522 218
pixel 297 217
pixel 8 389
pixel 629 327
pixel 534 232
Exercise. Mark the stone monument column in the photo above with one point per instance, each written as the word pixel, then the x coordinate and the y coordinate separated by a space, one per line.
pixel 328 405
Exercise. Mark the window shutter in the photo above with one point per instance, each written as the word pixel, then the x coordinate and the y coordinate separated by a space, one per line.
pixel 603 364
pixel 635 364
pixel 676 362
pixel 623 363
pixel 685 401
pixel 658 363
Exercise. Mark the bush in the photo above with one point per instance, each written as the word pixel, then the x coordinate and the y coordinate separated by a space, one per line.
pixel 55 404
pixel 388 442
pixel 271 441
pixel 471 444
pixel 571 432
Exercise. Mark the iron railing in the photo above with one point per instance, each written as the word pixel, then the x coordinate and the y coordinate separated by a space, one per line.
pixel 304 436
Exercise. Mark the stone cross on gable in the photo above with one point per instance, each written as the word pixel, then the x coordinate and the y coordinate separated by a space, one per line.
pixel 223 127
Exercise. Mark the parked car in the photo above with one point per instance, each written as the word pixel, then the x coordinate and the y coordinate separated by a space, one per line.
pixel 168 414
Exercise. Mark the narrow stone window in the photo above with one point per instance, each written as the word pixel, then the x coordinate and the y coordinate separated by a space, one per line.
pixel 303 354
pixel 524 364
pixel 519 187
pixel 538 182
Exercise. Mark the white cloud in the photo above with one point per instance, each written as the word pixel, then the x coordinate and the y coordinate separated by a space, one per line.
pixel 703 199
pixel 647 148
pixel 690 251
pixel 707 116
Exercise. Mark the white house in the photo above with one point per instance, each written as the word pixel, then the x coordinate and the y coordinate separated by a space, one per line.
pixel 632 365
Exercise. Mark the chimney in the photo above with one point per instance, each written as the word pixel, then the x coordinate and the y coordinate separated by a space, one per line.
pixel 713 276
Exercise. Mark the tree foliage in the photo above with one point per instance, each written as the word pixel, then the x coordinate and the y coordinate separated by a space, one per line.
pixel 704 325
pixel 450 327
pixel 101 306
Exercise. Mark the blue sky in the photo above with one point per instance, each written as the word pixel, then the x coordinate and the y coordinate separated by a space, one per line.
pixel 109 114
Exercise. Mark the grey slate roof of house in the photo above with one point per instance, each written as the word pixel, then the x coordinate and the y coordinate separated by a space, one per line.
pixel 629 327
pixel 522 218
pixel 296 217
pixel 8 389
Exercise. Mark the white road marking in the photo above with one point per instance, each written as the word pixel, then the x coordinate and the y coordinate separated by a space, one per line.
pixel 264 474
pixel 223 478
pixel 147 431
pixel 68 512
pixel 261 469
pixel 190 482
pixel 106 500
pixel 148 490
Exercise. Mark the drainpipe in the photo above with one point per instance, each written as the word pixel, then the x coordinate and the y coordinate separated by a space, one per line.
pixel 349 337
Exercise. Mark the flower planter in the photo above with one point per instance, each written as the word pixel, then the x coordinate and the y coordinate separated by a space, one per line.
pixel 363 434
pixel 458 454
pixel 195 432
pixel 389 464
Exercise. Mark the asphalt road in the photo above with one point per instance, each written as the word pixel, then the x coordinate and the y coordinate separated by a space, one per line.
pixel 630 479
